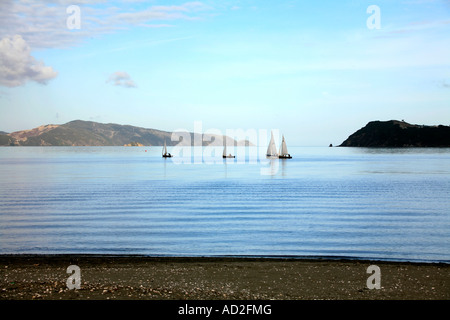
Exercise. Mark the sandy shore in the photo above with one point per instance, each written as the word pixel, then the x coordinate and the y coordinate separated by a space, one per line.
pixel 138 278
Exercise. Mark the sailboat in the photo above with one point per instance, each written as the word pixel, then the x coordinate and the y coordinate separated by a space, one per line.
pixel 225 149
pixel 283 150
pixel 272 148
pixel 165 153
pixel 225 153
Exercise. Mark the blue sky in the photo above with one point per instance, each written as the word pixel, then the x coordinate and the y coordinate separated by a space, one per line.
pixel 312 69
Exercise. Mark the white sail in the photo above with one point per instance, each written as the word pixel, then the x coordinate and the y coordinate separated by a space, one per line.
pixel 165 148
pixel 272 148
pixel 224 146
pixel 283 149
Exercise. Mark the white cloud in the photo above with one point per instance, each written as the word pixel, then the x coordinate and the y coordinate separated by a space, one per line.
pixel 43 23
pixel 168 12
pixel 17 65
pixel 123 79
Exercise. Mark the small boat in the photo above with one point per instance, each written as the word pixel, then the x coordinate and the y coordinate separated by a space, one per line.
pixel 165 153
pixel 283 150
pixel 225 152
pixel 272 148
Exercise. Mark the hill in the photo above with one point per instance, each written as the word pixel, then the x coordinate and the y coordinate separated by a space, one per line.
pixel 89 133
pixel 396 133
pixel 6 140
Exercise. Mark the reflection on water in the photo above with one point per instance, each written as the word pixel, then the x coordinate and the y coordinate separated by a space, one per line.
pixel 352 202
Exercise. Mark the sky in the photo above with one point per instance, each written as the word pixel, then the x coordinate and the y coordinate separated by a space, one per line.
pixel 315 70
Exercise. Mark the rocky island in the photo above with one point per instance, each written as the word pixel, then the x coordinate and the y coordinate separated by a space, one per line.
pixel 394 133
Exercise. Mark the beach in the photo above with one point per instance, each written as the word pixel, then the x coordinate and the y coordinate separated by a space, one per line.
pixel 44 277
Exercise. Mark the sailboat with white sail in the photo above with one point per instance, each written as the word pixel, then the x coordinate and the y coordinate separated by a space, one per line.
pixel 165 153
pixel 225 155
pixel 225 150
pixel 284 154
pixel 272 148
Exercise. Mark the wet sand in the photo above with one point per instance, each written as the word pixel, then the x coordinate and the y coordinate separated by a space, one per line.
pixel 43 277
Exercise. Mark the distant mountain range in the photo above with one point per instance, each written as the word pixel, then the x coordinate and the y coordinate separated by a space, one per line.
pixel 391 133
pixel 396 133
pixel 89 133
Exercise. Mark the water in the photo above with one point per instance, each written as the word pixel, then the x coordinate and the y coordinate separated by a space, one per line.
pixel 390 204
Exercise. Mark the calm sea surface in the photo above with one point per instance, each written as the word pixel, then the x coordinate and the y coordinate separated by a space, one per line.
pixel 389 204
